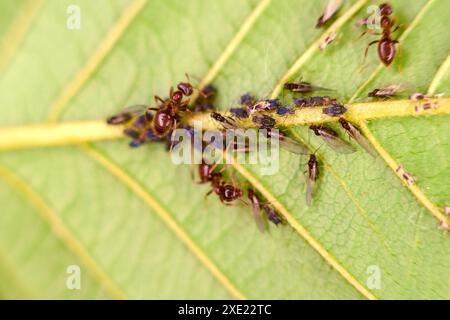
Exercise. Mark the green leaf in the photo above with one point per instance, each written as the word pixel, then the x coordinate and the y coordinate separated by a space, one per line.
pixel 138 226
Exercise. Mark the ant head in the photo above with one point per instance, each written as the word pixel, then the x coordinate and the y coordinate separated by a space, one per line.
pixel 385 22
pixel 177 96
pixel 185 88
pixel 385 9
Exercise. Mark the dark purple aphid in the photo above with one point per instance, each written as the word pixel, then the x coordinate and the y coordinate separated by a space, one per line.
pixel 407 177
pixel 282 111
pixel 247 99
pixel 354 132
pixel 272 215
pixel 264 121
pixel 209 90
pixel 426 106
pixel 332 139
pixel 314 101
pixel 135 143
pixel 335 110
pixel 239 112
pixel 313 175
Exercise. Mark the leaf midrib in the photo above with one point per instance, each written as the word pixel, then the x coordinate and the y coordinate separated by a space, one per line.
pixel 223 63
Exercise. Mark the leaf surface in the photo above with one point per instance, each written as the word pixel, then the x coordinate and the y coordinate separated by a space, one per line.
pixel 139 227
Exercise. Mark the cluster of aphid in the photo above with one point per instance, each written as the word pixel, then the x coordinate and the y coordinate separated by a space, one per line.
pixel 146 124
pixel 149 124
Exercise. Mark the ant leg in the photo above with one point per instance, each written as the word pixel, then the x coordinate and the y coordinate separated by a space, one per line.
pixel 159 99
pixel 367 49
pixel 368 31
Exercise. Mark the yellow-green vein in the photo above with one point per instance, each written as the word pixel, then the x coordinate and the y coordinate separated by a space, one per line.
pixel 9 270
pixel 43 135
pixel 165 217
pixel 316 245
pixel 315 46
pixel 232 45
pixel 439 76
pixel 71 89
pixel 415 190
pixel 350 195
pixel 405 34
pixel 18 29
pixel 61 231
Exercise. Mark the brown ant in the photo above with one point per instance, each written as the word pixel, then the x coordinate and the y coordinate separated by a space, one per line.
pixel 227 193
pixel 165 118
pixel 386 45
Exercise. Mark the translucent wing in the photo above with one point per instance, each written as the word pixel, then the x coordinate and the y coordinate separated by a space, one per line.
pixel 127 114
pixel 331 138
pixel 289 144
pixel 360 139
pixel 310 190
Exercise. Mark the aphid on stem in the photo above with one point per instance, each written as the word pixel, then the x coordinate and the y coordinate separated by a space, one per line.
pixel 335 110
pixel 407 177
pixel 426 106
pixel 314 101
pixel 272 215
pixel 328 40
pixel 264 121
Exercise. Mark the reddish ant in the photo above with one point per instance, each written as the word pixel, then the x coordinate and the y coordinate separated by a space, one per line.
pixel 227 193
pixel 386 46
pixel 166 115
